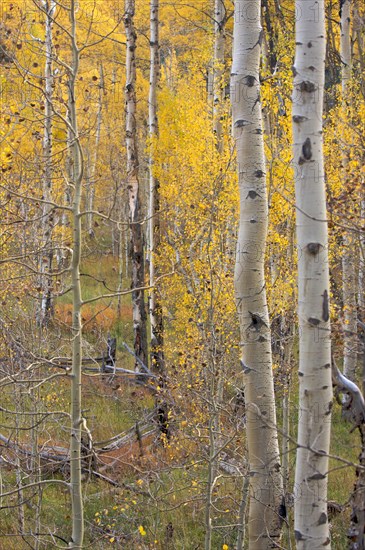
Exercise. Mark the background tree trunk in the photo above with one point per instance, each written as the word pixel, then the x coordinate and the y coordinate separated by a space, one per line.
pixel 156 319
pixel 46 256
pixel 220 19
pixel 315 386
pixel 91 184
pixel 348 264
pixel 76 415
pixel 137 245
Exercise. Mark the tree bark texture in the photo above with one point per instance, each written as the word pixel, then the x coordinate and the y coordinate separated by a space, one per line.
pixel 315 386
pixel 137 244
pixel 76 414
pixel 155 308
pixel 218 69
pixel 348 264
pixel 250 294
pixel 48 214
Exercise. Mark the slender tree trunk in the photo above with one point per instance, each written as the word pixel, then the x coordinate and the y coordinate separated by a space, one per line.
pixel 156 319
pixel 242 514
pixel 315 385
pixel 19 406
pixel 137 246
pixel 76 417
pixel 361 299
pixel 356 532
pixel 211 477
pixel 271 46
pixel 93 163
pixel 348 264
pixel 358 28
pixel 47 219
pixel 262 440
pixel 218 69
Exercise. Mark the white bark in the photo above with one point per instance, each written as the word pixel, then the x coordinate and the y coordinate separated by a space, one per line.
pixel 218 69
pixel 156 320
pixel 262 440
pixel 315 386
pixel 76 417
pixel 47 219
pixel 139 311
pixel 93 162
pixel 348 264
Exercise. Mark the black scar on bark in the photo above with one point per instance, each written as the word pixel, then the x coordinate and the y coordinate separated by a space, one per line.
pixel 299 118
pixel 307 86
pixel 342 2
pixel 313 248
pixel 245 368
pixel 307 149
pixel 298 535
pixel 314 477
pixel 241 123
pixel 250 80
pixel 259 173
pixel 322 519
pixel 252 194
pixel 313 321
pixel 325 306
pixel 330 405
pixel 294 71
pixel 257 322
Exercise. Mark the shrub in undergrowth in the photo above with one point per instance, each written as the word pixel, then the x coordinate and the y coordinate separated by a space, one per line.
pixel 95 318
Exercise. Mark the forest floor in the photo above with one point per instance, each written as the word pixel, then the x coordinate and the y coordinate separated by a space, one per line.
pixel 153 493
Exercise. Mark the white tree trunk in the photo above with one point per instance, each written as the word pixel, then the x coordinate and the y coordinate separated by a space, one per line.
pixel 47 218
pixel 156 320
pixel 262 440
pixel 348 264
pixel 139 311
pixel 218 69
pixel 93 162
pixel 76 417
pixel 315 385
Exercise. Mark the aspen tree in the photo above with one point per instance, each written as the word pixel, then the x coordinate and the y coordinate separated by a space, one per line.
pixel 47 218
pixel 214 375
pixel 155 309
pixel 137 247
pixel 76 414
pixel 262 439
pixel 348 265
pixel 315 386
pixel 94 157
pixel 220 19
